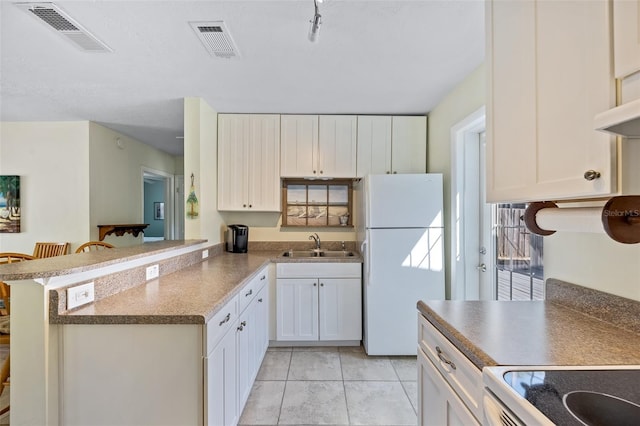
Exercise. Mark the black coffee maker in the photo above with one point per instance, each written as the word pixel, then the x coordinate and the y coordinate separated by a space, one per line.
pixel 237 238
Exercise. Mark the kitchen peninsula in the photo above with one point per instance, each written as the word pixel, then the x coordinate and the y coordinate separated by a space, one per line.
pixel 175 312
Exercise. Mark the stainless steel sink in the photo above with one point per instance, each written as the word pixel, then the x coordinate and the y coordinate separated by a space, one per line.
pixel 593 408
pixel 318 253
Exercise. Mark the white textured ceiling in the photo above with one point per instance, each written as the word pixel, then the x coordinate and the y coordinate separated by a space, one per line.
pixel 372 57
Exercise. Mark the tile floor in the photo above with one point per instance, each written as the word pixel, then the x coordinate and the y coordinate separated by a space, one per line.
pixel 332 386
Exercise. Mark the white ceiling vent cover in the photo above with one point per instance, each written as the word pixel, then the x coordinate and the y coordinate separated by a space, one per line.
pixel 66 26
pixel 216 39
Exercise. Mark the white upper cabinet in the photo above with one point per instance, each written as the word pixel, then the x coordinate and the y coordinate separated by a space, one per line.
pixel 549 73
pixel 409 144
pixel 626 37
pixel 392 144
pixel 374 145
pixel 337 146
pixel 248 162
pixel 318 146
pixel 299 146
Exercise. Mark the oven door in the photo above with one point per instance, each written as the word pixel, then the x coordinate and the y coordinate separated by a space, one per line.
pixel 495 412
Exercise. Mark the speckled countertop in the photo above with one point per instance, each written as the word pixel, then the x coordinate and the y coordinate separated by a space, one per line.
pixel 188 296
pixel 559 331
pixel 73 263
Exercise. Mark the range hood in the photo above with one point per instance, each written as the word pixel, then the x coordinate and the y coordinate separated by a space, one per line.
pixel 623 120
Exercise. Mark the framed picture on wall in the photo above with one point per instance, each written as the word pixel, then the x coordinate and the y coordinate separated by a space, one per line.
pixel 158 211
pixel 10 211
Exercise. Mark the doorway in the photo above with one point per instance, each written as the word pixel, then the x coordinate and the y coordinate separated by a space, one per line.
pixel 472 242
pixel 158 205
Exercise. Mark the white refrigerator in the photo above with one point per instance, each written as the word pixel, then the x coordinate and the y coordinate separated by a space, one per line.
pixel 401 234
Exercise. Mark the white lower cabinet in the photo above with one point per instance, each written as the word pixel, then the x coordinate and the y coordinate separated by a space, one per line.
pixel 439 404
pixel 319 302
pixel 252 342
pixel 449 385
pixel 222 387
pixel 233 364
pixel 182 374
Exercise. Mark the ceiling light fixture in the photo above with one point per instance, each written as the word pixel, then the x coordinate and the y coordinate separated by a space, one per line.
pixel 316 21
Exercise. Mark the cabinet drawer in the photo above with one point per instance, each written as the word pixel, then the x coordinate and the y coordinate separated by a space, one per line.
pixel 315 270
pixel 250 290
pixel 221 322
pixel 464 377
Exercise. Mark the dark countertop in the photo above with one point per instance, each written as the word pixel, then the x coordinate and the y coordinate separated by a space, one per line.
pixel 547 332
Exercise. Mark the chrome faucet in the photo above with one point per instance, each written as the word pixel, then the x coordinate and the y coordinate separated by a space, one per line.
pixel 316 238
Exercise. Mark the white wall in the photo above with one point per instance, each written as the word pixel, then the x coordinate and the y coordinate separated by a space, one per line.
pixel 594 261
pixel 73 178
pixel 52 160
pixel 201 159
pixel 117 192
pixel 266 227
pixel 465 99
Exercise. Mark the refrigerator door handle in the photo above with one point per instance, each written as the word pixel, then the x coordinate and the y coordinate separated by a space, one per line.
pixel 367 262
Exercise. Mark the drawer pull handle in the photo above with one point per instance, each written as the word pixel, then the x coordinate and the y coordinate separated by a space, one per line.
pixel 260 300
pixel 226 319
pixel 262 277
pixel 249 293
pixel 443 358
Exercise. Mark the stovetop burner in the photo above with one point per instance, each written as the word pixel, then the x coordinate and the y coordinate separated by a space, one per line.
pixel 593 396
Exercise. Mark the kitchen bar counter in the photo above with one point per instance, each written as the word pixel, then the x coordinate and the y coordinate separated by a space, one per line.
pixel 191 295
pixel 563 330
pixel 82 262
pixel 188 290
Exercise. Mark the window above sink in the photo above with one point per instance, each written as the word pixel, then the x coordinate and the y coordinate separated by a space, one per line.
pixel 317 203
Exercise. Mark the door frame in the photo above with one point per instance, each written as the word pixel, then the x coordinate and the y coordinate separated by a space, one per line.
pixel 461 133
pixel 169 198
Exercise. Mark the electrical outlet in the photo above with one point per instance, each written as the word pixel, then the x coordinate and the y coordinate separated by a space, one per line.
pixel 80 295
pixel 205 253
pixel 153 271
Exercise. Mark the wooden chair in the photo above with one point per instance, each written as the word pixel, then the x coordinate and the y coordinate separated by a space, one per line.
pixel 5 339
pixel 94 246
pixel 8 257
pixel 43 250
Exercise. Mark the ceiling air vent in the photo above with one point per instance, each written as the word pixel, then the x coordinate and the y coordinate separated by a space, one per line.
pixel 66 26
pixel 216 39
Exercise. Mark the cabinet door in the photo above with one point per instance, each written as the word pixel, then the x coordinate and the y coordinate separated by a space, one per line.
pixel 626 37
pixel 299 145
pixel 337 146
pixel 233 174
pixel 221 382
pixel 340 309
pixel 297 309
pixel 262 321
pixel 438 404
pixel 542 101
pixel 374 145
pixel 246 335
pixel 409 144
pixel 264 163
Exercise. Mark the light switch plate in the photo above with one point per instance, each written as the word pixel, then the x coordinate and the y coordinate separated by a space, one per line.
pixel 205 253
pixel 80 295
pixel 153 271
